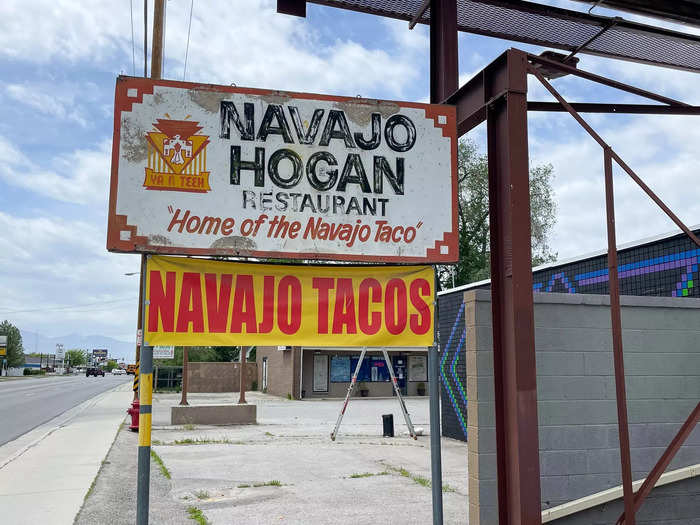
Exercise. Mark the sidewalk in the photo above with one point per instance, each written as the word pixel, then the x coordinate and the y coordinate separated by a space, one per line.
pixel 285 469
pixel 45 474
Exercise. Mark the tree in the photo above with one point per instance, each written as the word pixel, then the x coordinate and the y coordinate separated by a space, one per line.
pixel 473 217
pixel 76 357
pixel 111 364
pixel 202 354
pixel 15 350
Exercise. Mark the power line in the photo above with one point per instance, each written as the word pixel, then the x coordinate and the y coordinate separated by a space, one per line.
pixel 133 43
pixel 145 38
pixel 187 49
pixel 67 307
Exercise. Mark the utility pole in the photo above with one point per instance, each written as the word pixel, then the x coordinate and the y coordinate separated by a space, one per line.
pixel 146 365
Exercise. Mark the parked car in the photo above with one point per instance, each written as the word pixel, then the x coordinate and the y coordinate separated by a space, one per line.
pixel 118 371
pixel 94 372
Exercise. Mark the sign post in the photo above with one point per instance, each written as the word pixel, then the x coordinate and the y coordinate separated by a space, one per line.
pixel 3 352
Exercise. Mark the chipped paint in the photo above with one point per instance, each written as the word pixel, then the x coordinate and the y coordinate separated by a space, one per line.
pixel 235 242
pixel 207 100
pixel 134 144
pixel 360 112
pixel 159 240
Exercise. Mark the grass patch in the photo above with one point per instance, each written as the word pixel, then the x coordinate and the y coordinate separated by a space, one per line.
pixel 201 494
pixel 243 486
pixel 188 426
pixel 197 515
pixel 273 483
pixel 164 470
pixel 156 442
pixel 368 474
pixel 269 434
pixel 448 488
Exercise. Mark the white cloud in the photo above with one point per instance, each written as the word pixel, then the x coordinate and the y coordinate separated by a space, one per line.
pixel 50 262
pixel 48 101
pixel 79 177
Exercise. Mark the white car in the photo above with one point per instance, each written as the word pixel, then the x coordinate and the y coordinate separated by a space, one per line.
pixel 118 371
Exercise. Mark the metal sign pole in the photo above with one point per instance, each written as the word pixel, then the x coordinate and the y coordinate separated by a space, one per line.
pixel 406 416
pixel 434 393
pixel 353 381
pixel 145 412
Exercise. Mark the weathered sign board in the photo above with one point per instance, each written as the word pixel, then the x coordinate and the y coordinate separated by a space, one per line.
pixel 198 302
pixel 100 353
pixel 217 170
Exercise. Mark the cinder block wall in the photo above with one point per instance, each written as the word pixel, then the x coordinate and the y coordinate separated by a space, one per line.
pixel 578 435
pixel 218 377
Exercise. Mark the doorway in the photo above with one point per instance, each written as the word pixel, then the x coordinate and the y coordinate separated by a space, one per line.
pixel 320 373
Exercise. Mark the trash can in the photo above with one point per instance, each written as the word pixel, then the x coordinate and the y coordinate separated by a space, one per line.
pixel 388 423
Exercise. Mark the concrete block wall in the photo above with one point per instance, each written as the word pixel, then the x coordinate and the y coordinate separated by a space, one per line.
pixel 218 377
pixel 578 437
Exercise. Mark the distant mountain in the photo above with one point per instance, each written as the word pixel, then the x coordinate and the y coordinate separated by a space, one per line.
pixel 34 342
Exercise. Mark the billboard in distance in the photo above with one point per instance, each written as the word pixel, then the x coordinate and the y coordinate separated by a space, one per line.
pixel 219 170
pixel 100 353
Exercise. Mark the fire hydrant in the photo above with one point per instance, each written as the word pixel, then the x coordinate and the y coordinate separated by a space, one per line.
pixel 134 413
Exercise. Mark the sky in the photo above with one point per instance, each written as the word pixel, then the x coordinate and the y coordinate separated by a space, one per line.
pixel 59 60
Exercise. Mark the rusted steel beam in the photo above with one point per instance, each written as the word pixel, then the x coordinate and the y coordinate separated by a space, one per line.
pixel 615 156
pixel 618 358
pixel 634 109
pixel 515 376
pixel 292 7
pixel 664 460
pixel 535 59
pixel 444 69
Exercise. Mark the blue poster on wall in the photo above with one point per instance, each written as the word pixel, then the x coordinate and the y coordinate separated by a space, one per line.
pixel 340 369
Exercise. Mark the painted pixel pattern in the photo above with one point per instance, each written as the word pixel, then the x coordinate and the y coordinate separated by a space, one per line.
pixel 666 268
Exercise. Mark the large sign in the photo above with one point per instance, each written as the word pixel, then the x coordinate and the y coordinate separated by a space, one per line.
pixel 216 170
pixel 100 353
pixel 3 345
pixel 60 352
pixel 192 302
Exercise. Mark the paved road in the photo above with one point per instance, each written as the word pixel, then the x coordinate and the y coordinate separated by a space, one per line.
pixel 27 403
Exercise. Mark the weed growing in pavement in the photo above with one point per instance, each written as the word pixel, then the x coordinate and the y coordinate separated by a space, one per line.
pixel 162 466
pixel 269 434
pixel 197 515
pixel 243 486
pixel 273 483
pixel 448 488
pixel 368 474
pixel 156 442
pixel 203 441
pixel 188 426
pixel 425 482
pixel 201 494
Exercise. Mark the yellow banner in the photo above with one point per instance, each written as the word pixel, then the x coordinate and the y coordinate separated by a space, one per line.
pixel 3 350
pixel 197 302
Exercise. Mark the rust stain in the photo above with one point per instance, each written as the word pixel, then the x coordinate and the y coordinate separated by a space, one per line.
pixel 276 98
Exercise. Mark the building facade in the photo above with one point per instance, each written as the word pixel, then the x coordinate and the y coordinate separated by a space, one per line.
pixel 663 266
pixel 323 372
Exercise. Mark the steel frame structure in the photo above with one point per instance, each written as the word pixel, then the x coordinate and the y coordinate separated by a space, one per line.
pixel 498 95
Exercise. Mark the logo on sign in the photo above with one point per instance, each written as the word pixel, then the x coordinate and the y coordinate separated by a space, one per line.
pixel 177 157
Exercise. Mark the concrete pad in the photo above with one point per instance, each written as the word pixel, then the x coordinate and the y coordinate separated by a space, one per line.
pixel 46 481
pixel 213 414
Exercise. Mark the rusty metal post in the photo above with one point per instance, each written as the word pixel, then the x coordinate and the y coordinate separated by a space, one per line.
pixel 515 374
pixel 185 379
pixel 139 329
pixel 241 398
pixel 444 68
pixel 616 318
